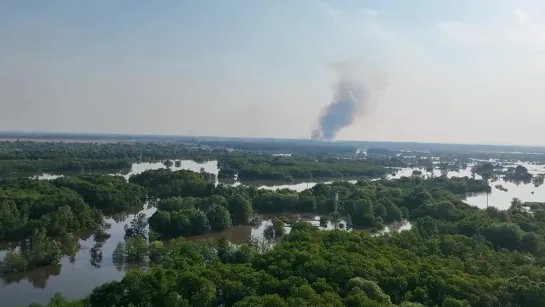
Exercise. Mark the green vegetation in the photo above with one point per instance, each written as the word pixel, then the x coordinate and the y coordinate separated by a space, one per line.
pixel 310 267
pixel 38 250
pixel 516 174
pixel 110 194
pixel 190 216
pixel 43 214
pixel 455 185
pixel 26 157
pixel 164 183
pixel 293 168
pixel 368 203
pixel 454 255
pixel 63 205
pixel 191 204
pixel 27 205
pixel 519 173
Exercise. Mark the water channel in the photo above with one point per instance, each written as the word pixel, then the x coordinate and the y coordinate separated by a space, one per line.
pixel 77 277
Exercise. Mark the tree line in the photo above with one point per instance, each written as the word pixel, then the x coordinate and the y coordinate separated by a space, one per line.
pixel 296 168
pixel 25 157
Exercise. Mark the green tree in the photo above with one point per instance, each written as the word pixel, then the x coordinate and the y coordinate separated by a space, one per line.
pixel 219 218
pixel 451 302
pixel 241 210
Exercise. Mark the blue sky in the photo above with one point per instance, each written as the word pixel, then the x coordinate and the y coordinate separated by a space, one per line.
pixel 455 71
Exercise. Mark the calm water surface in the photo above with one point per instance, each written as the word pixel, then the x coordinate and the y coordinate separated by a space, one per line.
pixel 77 277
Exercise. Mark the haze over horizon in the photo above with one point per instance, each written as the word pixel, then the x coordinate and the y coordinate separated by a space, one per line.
pixel 460 72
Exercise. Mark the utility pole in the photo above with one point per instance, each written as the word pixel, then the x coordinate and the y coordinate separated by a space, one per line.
pixel 336 203
pixel 335 215
pixel 487 192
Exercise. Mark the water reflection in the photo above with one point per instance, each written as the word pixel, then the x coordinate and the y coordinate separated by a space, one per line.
pixel 502 199
pixel 38 277
pixel 527 191
pixel 75 276
pixel 235 235
pixel 95 254
pixel 94 265
pixel 246 233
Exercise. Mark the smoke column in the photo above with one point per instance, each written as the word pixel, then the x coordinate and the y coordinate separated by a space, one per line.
pixel 341 112
pixel 350 99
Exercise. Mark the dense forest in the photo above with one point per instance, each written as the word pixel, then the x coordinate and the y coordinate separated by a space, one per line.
pixel 63 205
pixel 285 145
pixel 459 257
pixel 449 258
pixel 26 158
pixel 454 254
pixel 191 204
pixel 289 168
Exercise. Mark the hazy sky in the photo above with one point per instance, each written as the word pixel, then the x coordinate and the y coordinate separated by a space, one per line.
pixel 452 71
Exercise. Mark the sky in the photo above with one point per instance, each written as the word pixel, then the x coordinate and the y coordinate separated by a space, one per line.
pixel 466 71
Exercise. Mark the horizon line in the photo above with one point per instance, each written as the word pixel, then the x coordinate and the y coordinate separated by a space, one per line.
pixel 45 133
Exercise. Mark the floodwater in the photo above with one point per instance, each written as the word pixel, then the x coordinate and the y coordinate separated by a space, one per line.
pixel 496 198
pixel 526 192
pixel 77 277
